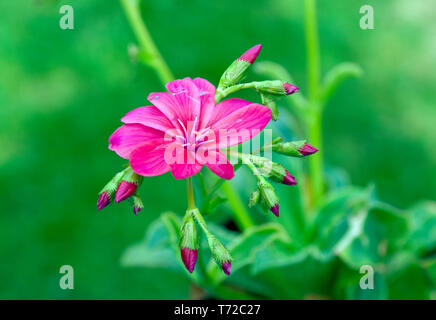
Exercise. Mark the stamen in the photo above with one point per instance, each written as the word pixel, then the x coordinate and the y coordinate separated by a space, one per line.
pixel 183 126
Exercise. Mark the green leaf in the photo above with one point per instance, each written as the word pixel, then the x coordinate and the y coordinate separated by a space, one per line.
pixel 159 247
pixel 359 229
pixel 423 225
pixel 244 247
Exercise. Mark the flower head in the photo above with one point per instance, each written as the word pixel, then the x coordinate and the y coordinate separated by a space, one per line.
pixel 184 130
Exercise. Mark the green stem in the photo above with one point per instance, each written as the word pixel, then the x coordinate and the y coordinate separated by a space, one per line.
pixel 241 214
pixel 190 194
pixel 314 122
pixel 154 58
pixel 316 169
pixel 312 46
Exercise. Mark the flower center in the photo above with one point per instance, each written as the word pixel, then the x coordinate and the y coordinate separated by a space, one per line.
pixel 193 139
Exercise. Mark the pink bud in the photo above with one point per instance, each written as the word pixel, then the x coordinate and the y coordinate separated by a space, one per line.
pixel 189 258
pixel 289 179
pixel 307 149
pixel 125 189
pixel 103 200
pixel 136 210
pixel 275 210
pixel 290 88
pixel 251 54
pixel 227 267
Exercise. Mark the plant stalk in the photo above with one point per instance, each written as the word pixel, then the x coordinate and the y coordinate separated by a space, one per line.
pixel 314 122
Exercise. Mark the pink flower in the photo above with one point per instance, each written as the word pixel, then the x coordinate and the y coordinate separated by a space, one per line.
pixel 184 130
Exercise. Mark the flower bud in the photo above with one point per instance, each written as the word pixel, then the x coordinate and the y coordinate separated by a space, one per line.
pixel 307 150
pixel 272 170
pixel 137 204
pixel 288 179
pixel 128 185
pixel 290 88
pixel 105 195
pixel 236 71
pixel 251 54
pixel 188 243
pixel 275 87
pixel 294 148
pixel 103 200
pixel 221 255
pixel 269 196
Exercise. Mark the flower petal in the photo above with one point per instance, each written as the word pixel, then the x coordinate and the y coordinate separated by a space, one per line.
pixel 226 107
pixel 148 159
pixel 187 96
pixel 129 136
pixel 241 125
pixel 149 116
pixel 218 163
pixel 184 164
pixel 207 99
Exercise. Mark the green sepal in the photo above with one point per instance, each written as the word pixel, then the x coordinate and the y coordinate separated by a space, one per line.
pixel 234 74
pixel 290 149
pixel 188 232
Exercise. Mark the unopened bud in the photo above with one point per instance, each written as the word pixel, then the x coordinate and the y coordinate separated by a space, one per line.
pixel 269 196
pixel 290 88
pixel 275 87
pixel 251 54
pixel 188 243
pixel 220 253
pixel 294 148
pixel 105 195
pixel 103 200
pixel 272 170
pixel 289 179
pixel 307 150
pixel 236 71
pixel 137 204
pixel 128 185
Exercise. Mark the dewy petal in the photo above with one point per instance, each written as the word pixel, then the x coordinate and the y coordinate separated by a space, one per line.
pixel 149 116
pixel 129 136
pixel 218 163
pixel 241 125
pixel 184 164
pixel 207 99
pixel 226 107
pixel 148 159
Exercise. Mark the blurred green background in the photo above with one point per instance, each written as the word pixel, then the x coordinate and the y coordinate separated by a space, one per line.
pixel 62 93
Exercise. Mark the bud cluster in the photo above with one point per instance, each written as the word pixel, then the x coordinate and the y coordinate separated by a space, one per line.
pixel 121 187
pixel 189 243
